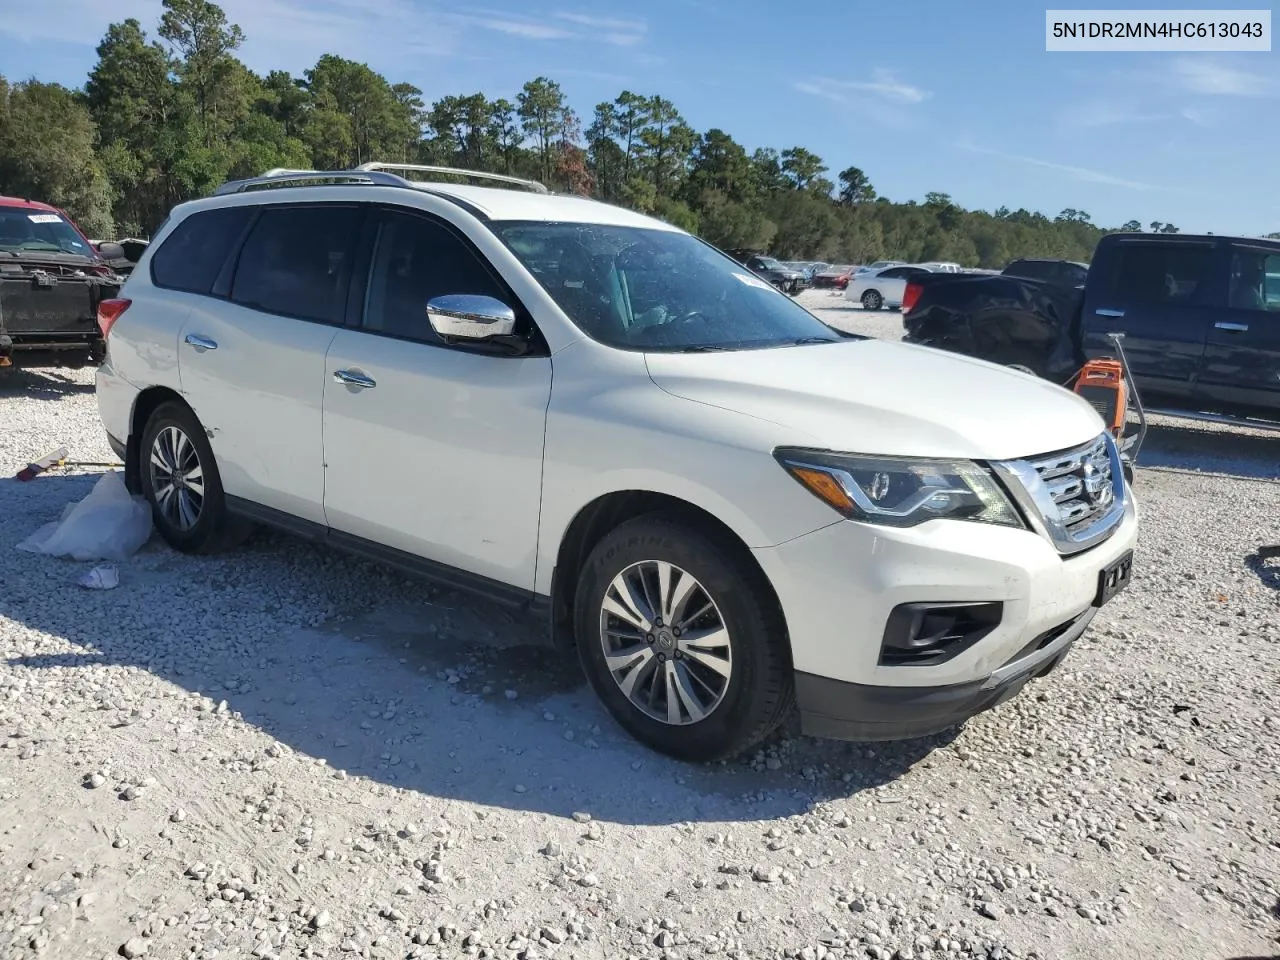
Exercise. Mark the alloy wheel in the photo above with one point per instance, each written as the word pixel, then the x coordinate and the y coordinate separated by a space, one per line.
pixel 665 642
pixel 177 478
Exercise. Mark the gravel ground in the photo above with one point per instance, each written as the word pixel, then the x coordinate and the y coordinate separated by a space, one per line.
pixel 284 753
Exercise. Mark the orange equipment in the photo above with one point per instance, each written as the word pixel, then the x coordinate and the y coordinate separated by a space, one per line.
pixel 1102 383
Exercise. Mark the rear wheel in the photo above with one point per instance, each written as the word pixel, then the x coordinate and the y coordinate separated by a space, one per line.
pixel 181 482
pixel 871 300
pixel 679 638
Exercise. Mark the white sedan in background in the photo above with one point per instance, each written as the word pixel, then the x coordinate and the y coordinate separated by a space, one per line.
pixel 883 287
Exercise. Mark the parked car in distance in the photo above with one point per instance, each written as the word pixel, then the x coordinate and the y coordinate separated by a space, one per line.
pixel 881 265
pixel 1068 273
pixel 723 506
pixel 1200 317
pixel 881 288
pixel 942 266
pixel 52 278
pixel 836 276
pixel 766 267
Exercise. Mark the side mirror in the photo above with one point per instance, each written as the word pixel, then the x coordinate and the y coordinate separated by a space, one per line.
pixel 469 318
pixel 110 250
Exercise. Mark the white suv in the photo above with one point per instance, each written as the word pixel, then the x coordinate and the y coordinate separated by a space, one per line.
pixel 726 506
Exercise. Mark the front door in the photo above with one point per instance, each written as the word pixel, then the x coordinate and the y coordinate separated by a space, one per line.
pixel 1242 357
pixel 431 449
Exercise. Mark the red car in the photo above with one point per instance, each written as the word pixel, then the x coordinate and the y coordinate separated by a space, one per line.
pixel 52 279
pixel 835 276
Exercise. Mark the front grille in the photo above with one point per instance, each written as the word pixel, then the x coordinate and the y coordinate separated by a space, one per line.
pixel 1079 483
pixel 1077 494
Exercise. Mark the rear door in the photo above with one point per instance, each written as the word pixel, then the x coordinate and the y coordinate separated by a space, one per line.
pixel 1161 295
pixel 252 359
pixel 1242 355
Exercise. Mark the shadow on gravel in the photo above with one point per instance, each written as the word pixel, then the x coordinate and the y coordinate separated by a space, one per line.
pixel 1265 562
pixel 40 384
pixel 1250 456
pixel 408 692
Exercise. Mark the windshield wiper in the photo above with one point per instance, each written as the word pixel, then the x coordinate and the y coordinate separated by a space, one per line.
pixel 801 341
pixel 701 348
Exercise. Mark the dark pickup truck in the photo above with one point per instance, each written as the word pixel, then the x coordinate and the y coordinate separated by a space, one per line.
pixel 52 279
pixel 1200 317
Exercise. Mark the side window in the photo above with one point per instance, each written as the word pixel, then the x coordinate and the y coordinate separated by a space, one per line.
pixel 1165 274
pixel 295 262
pixel 1255 280
pixel 893 273
pixel 415 260
pixel 193 254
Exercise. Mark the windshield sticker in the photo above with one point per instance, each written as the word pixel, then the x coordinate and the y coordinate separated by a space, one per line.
pixel 44 218
pixel 751 281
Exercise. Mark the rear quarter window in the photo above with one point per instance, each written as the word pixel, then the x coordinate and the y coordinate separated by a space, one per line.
pixel 191 257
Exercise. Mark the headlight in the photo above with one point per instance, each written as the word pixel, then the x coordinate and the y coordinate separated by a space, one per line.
pixel 899 492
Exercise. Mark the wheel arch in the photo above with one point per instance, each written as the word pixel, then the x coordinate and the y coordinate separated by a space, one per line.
pixel 144 405
pixel 609 511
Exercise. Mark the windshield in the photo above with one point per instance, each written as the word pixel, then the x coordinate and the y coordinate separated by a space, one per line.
pixel 27 229
pixel 657 290
pixel 769 263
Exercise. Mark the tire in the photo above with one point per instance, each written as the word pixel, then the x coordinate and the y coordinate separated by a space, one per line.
pixel 750 646
pixel 871 300
pixel 1022 361
pixel 192 516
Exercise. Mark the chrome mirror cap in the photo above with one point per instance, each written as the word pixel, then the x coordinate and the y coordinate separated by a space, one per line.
pixel 466 316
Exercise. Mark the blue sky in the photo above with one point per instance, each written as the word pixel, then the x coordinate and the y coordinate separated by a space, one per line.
pixel 956 97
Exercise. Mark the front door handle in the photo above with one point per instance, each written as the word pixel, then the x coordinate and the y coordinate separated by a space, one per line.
pixel 1108 312
pixel 201 342
pixel 354 379
pixel 1237 327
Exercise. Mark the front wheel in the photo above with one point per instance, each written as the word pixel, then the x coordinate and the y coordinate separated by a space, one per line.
pixel 181 482
pixel 871 300
pixel 679 637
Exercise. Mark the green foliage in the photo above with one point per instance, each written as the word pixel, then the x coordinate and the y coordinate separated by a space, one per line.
pixel 46 153
pixel 167 120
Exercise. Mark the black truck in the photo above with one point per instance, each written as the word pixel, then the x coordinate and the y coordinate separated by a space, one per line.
pixel 52 279
pixel 1200 317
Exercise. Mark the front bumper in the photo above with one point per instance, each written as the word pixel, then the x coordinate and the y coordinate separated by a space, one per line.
pixel 852 711
pixel 838 585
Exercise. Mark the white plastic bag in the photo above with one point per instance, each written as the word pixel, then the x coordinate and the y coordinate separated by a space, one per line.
pixel 108 524
pixel 100 578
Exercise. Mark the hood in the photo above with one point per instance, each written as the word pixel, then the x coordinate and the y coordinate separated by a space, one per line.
pixel 887 398
pixel 47 259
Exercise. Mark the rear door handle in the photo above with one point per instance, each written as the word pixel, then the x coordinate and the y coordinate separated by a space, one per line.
pixel 201 342
pixel 1108 312
pixel 1237 327
pixel 354 379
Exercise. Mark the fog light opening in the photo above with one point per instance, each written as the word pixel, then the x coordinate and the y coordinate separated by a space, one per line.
pixel 922 634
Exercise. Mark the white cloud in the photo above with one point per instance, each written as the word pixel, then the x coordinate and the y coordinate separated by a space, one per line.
pixel 883 85
pixel 526 29
pixel 605 23
pixel 1210 78
pixel 619 33
pixel 1089 114
pixel 1083 174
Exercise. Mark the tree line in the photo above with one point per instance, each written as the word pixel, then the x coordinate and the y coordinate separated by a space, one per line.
pixel 164 119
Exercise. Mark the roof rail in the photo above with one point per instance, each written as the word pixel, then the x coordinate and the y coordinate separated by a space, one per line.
pixel 375 167
pixel 280 175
